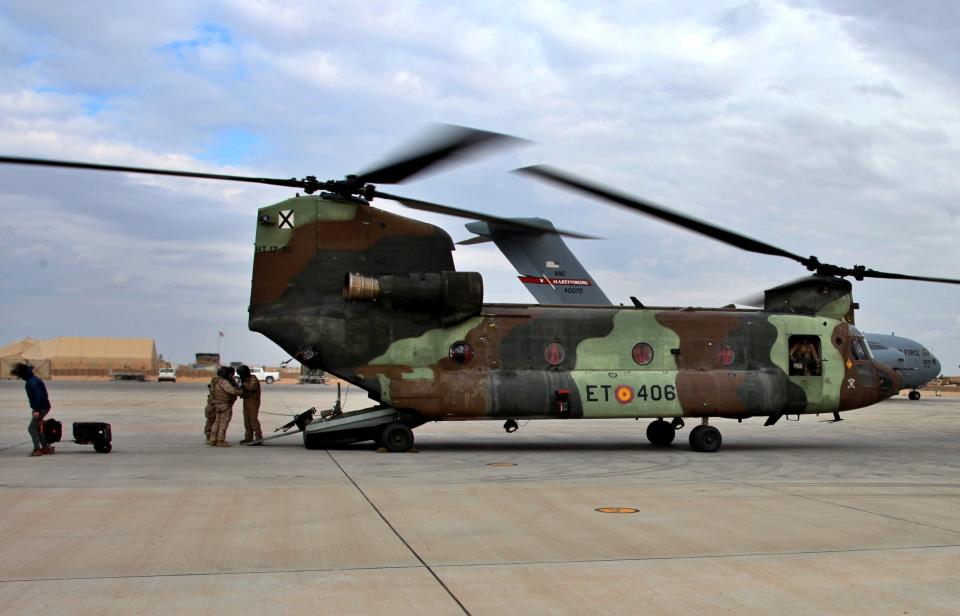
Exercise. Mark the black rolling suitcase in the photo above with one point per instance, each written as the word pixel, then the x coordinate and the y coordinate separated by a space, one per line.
pixel 52 431
pixel 96 433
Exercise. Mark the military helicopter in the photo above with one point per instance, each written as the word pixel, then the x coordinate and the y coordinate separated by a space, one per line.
pixel 374 298
pixel 559 278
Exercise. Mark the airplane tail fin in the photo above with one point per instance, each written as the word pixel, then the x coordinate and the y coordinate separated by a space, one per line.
pixel 546 266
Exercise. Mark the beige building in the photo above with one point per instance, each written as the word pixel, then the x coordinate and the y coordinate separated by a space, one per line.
pixel 68 356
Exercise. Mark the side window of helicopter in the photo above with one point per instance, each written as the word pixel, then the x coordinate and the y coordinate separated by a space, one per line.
pixel 805 356
pixel 725 354
pixel 461 352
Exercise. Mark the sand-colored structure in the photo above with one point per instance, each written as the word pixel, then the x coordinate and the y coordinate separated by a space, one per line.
pixel 80 356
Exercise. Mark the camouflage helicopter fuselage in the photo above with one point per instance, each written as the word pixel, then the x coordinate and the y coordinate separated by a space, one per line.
pixel 374 298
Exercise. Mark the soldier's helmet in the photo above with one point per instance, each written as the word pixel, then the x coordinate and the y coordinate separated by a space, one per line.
pixel 224 372
pixel 243 372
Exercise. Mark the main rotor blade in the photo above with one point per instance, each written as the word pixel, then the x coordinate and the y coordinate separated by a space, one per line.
pixel 860 274
pixel 446 143
pixel 649 208
pixel 44 162
pixel 427 206
pixel 710 230
pixel 474 240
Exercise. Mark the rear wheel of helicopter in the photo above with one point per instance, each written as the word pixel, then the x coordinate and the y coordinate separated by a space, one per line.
pixel 705 438
pixel 397 437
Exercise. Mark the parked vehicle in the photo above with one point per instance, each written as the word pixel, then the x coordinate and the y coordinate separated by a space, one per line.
pixel 167 374
pixel 312 375
pixel 263 375
pixel 129 375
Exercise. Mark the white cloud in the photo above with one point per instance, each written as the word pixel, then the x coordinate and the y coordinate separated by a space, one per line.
pixel 826 128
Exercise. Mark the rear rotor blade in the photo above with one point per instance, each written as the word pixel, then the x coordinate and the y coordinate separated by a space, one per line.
pixel 757 299
pixel 446 143
pixel 427 206
pixel 658 211
pixel 754 300
pixel 44 162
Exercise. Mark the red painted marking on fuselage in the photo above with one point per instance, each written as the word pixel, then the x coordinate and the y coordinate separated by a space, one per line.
pixel 566 282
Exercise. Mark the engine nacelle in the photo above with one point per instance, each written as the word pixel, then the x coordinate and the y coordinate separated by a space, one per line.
pixel 454 296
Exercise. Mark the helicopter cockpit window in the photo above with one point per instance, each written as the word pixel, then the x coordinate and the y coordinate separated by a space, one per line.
pixel 858 350
pixel 876 346
pixel 805 356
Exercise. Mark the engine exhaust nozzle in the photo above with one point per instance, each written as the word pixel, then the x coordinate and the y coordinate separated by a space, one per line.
pixel 360 288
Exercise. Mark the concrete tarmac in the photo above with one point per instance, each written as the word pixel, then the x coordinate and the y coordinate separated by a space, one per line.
pixel 857 517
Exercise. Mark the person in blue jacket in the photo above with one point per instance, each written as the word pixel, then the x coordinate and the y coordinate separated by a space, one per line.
pixel 39 407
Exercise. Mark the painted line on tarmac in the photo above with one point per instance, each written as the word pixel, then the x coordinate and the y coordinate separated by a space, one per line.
pixel 399 536
pixel 15 446
pixel 147 576
pixel 786 492
pixel 461 565
pixel 877 513
pixel 701 556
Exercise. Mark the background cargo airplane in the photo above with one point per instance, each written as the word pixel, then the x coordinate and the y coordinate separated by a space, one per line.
pixel 553 275
pixel 915 363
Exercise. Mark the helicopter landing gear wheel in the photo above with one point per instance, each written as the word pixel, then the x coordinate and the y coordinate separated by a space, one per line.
pixel 660 433
pixel 914 395
pixel 705 438
pixel 397 437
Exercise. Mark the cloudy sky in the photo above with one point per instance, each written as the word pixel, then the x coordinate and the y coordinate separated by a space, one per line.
pixel 826 127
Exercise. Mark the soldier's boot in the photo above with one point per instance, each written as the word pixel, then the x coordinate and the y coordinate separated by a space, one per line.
pixel 259 438
pixel 223 444
pixel 212 442
pixel 246 439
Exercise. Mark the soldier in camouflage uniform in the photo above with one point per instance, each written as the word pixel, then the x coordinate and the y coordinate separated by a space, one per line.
pixel 251 404
pixel 223 393
pixel 208 413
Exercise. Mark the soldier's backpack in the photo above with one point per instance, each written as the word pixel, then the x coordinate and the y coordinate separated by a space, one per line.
pixel 52 430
